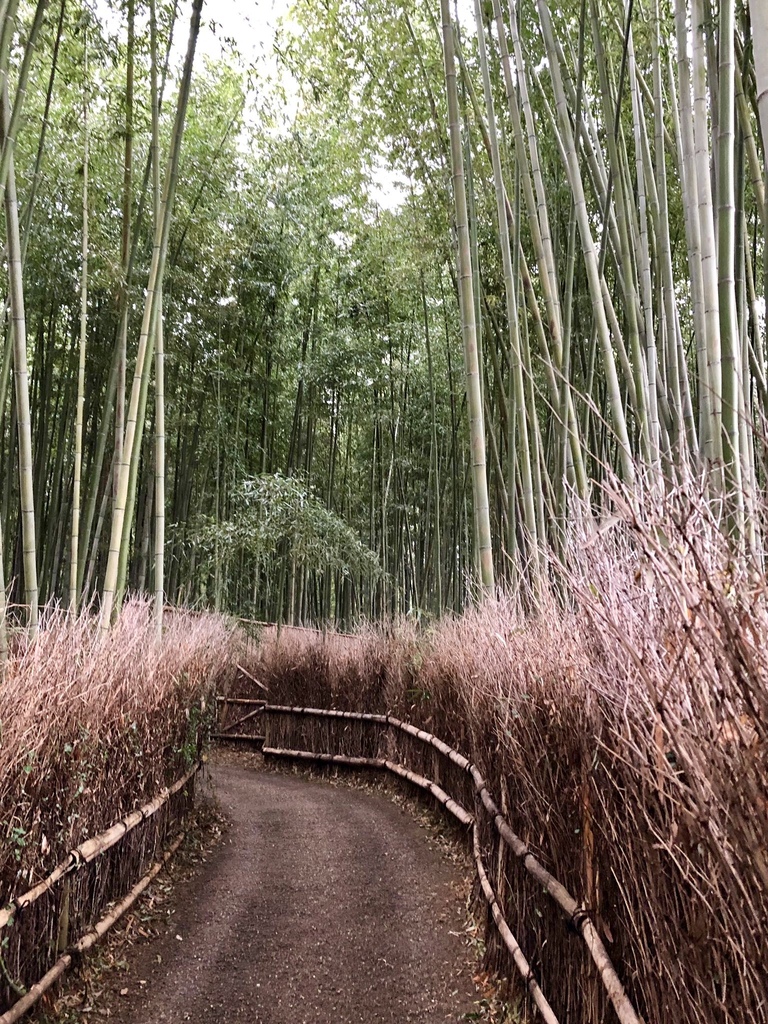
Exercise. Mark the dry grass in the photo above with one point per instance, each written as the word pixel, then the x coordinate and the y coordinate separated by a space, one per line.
pixel 91 728
pixel 626 740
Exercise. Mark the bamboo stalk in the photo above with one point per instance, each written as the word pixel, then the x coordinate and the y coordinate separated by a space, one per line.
pixel 245 718
pixel 701 136
pixel 468 322
pixel 148 327
pixel 508 938
pixel 21 380
pixel 591 261
pixel 523 453
pixel 74 595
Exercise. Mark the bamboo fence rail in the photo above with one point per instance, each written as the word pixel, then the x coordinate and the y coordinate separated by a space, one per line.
pixel 86 853
pixel 577 914
pixel 88 940
pixel 92 848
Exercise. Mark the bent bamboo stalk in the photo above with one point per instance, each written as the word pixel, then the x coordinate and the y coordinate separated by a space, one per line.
pixel 245 718
pixel 91 848
pixel 439 794
pixel 88 940
pixel 508 938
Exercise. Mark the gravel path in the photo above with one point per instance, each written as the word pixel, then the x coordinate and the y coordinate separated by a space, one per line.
pixel 323 905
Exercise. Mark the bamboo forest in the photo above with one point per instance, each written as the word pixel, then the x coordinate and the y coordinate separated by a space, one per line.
pixel 241 380
pixel 398 357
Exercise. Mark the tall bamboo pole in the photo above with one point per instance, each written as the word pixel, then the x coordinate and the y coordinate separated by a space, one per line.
pixel 726 253
pixel 758 10
pixel 707 229
pixel 467 309
pixel 148 327
pixel 624 262
pixel 75 537
pixel 21 381
pixel 435 456
pixel 159 563
pixel 661 207
pixel 122 343
pixel 536 172
pixel 573 169
pixel 14 119
pixel 687 168
pixel 523 454
pixel 37 174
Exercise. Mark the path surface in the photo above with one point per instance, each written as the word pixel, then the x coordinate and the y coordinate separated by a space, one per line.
pixel 323 905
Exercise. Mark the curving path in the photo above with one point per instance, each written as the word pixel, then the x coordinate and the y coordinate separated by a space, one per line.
pixel 323 905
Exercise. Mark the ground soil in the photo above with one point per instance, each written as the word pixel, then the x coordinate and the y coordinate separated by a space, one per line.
pixel 321 905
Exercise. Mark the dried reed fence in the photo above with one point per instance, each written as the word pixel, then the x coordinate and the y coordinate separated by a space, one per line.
pixel 78 889
pixel 384 742
pixel 95 731
pixel 625 740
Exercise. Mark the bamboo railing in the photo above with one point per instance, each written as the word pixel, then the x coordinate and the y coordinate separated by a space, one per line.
pixel 226 729
pixel 281 724
pixel 86 853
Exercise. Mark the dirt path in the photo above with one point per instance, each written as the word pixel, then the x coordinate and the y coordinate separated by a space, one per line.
pixel 323 905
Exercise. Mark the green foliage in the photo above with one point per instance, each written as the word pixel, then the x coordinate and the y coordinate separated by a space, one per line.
pixel 273 513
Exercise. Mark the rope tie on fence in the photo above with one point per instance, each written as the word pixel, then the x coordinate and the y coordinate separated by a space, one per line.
pixel 580 917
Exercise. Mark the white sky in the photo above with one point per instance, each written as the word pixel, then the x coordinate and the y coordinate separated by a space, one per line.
pixel 249 26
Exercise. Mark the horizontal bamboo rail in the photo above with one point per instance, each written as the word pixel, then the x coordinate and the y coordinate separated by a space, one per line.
pixel 239 737
pixel 88 940
pixel 578 914
pixel 92 848
pixel 357 716
pixel 508 938
pixel 240 700
pixel 310 755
